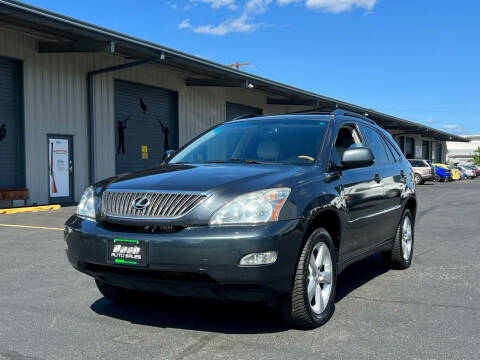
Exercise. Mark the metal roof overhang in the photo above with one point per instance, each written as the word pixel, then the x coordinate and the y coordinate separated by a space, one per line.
pixel 47 26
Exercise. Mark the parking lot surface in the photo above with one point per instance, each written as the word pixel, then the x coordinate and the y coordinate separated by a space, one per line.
pixel 430 311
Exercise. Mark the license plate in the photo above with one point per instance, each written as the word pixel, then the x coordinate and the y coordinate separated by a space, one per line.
pixel 127 252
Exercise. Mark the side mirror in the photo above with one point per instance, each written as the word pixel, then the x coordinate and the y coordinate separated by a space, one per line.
pixel 357 158
pixel 167 155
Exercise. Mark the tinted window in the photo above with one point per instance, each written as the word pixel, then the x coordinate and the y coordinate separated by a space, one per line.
pixel 375 144
pixel 271 141
pixel 393 151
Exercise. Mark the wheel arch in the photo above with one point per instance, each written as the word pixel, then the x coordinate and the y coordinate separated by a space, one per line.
pixel 411 204
pixel 330 220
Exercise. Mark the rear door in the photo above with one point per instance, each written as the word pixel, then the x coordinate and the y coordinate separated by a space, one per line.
pixel 393 179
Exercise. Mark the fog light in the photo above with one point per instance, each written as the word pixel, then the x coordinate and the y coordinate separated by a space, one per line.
pixel 263 258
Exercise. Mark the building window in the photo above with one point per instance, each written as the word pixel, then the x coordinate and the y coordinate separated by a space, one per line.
pixel 426 153
pixel 438 156
pixel 409 148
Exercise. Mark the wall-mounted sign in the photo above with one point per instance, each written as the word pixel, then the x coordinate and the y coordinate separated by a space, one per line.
pixel 144 152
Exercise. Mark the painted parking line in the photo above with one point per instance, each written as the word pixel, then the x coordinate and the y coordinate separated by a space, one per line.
pixel 32 227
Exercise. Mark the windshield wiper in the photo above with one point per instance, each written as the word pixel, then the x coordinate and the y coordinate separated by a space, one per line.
pixel 248 161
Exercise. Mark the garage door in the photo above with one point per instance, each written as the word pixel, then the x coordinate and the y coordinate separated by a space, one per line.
pixel 11 129
pixel 146 123
pixel 236 110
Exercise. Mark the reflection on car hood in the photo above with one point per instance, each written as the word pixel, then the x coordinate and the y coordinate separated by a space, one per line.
pixel 207 177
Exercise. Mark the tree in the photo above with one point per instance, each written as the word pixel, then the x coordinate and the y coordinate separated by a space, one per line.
pixel 476 156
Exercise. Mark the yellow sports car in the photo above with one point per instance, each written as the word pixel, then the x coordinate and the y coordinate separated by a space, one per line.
pixel 456 175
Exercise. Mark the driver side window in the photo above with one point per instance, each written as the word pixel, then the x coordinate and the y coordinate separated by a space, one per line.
pixel 348 137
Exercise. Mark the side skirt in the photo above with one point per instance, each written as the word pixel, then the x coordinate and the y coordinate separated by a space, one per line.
pixel 362 254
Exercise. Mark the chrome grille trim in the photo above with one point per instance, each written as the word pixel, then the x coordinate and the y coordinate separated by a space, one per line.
pixel 163 204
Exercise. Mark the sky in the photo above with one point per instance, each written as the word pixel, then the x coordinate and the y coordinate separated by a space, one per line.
pixel 415 59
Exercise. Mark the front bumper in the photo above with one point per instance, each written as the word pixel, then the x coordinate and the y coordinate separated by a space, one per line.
pixel 199 261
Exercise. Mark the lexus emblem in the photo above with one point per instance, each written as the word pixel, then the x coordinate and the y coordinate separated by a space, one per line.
pixel 141 203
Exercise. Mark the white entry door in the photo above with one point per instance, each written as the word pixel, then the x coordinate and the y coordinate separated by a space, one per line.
pixel 60 169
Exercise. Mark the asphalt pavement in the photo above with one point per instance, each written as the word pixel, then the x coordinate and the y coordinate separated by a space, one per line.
pixel 48 310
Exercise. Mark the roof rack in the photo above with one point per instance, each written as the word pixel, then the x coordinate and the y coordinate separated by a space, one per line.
pixel 246 116
pixel 340 112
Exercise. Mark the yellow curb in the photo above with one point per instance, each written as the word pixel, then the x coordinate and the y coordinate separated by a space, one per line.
pixel 32 227
pixel 29 209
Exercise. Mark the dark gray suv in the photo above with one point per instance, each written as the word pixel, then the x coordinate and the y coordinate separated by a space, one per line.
pixel 266 208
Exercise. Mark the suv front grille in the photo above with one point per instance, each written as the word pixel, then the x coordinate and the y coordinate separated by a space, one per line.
pixel 161 204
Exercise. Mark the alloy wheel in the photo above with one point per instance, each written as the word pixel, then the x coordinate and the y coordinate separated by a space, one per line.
pixel 418 180
pixel 320 278
pixel 407 238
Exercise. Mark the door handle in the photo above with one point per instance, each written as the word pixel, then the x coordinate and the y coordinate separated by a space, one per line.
pixel 378 178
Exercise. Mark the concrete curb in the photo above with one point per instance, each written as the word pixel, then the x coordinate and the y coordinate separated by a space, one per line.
pixel 29 209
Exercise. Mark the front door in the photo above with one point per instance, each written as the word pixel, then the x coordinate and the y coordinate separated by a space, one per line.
pixel 60 169
pixel 363 192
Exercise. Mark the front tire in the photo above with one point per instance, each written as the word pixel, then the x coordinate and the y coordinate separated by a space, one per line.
pixel 312 300
pixel 418 179
pixel 400 257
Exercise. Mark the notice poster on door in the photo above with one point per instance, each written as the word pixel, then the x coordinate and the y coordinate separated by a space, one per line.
pixel 58 167
pixel 418 151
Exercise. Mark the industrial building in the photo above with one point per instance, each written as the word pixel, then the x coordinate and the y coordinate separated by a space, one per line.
pixel 79 103
pixel 461 152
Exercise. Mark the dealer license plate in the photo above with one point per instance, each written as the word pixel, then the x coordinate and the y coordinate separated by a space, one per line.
pixel 127 252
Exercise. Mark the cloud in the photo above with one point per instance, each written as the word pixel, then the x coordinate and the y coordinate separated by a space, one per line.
pixel 287 2
pixel 185 24
pixel 219 3
pixel 257 6
pixel 338 6
pixel 242 24
pixel 454 127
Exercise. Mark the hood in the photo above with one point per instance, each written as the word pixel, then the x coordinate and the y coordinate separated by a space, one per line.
pixel 233 178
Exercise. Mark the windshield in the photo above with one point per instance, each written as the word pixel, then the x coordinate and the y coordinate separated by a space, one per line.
pixel 257 141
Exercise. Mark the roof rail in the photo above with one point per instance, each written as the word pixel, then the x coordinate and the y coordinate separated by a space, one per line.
pixel 246 116
pixel 340 112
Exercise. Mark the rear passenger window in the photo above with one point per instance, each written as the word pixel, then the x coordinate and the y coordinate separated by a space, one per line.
pixel 390 150
pixel 375 144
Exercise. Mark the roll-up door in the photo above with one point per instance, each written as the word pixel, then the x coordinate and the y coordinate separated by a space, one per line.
pixel 146 124
pixel 12 163
pixel 236 110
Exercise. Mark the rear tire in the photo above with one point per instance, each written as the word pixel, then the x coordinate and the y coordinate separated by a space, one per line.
pixel 400 257
pixel 312 300
pixel 117 294
pixel 436 178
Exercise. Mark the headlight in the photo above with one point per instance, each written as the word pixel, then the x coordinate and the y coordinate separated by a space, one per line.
pixel 252 208
pixel 86 206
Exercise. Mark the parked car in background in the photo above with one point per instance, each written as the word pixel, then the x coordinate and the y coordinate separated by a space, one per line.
pixel 462 172
pixel 475 168
pixel 454 173
pixel 442 174
pixel 469 172
pixel 422 170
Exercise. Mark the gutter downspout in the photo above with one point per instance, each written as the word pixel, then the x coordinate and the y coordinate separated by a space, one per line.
pixel 90 105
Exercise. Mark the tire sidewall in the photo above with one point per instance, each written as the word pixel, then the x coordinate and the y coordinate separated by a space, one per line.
pixel 408 214
pixel 418 179
pixel 320 235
